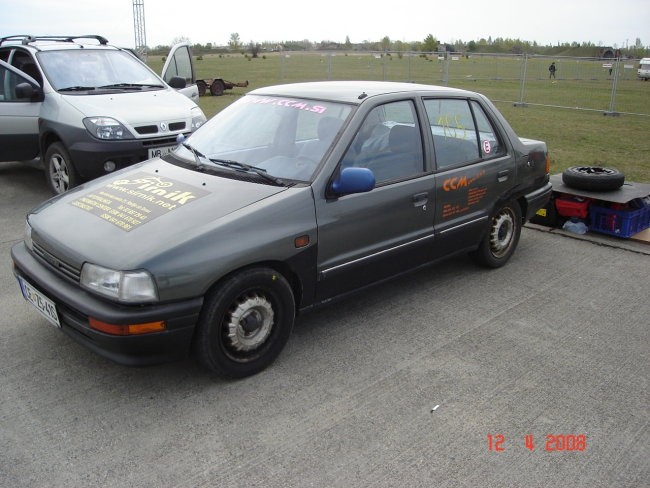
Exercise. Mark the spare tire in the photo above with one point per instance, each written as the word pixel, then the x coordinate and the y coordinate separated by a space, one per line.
pixel 593 178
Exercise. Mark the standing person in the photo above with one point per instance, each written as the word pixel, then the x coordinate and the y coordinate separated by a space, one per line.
pixel 551 70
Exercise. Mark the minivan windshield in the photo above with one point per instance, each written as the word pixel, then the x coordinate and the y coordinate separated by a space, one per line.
pixel 285 137
pixel 89 69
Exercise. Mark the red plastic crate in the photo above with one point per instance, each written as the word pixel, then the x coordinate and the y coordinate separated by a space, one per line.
pixel 572 206
pixel 619 223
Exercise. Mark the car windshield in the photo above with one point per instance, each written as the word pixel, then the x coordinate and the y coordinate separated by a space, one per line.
pixel 285 137
pixel 88 69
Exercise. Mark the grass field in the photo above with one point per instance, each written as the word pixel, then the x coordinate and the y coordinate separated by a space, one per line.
pixel 577 134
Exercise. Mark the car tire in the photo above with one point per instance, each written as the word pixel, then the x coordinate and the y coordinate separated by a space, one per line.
pixel 593 178
pixel 245 323
pixel 200 84
pixel 501 238
pixel 59 170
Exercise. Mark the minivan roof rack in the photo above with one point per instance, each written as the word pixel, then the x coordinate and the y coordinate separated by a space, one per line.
pixel 26 38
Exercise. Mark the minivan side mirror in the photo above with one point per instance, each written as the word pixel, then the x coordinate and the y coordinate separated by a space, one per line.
pixel 28 91
pixel 177 82
pixel 353 180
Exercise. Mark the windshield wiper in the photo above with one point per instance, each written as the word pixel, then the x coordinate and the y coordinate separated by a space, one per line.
pixel 236 165
pixel 77 88
pixel 197 155
pixel 131 86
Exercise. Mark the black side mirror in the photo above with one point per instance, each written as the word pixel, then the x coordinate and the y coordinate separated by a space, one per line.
pixel 177 82
pixel 27 91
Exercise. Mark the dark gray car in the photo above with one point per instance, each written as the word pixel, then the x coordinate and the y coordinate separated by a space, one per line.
pixel 290 197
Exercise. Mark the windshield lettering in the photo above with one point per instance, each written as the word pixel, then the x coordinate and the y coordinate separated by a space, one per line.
pixel 287 102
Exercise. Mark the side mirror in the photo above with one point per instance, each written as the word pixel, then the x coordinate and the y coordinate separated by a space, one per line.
pixel 28 91
pixel 353 180
pixel 177 82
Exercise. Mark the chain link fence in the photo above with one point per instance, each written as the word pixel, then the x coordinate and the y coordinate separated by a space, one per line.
pixel 606 85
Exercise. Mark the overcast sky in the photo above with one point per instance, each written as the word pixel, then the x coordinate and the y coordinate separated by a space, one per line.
pixel 608 23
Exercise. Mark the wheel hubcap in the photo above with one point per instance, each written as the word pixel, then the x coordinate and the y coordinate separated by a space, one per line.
pixel 501 234
pixel 59 173
pixel 250 322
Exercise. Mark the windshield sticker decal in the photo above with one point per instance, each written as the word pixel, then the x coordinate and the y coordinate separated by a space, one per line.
pixel 286 102
pixel 487 148
pixel 129 203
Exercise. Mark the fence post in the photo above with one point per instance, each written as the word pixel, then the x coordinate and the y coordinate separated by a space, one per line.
pixel 522 77
pixel 612 99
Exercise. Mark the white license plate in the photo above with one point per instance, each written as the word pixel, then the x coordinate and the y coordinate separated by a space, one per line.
pixel 156 152
pixel 44 305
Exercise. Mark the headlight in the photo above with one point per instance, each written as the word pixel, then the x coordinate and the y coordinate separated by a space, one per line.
pixel 106 128
pixel 198 119
pixel 28 236
pixel 124 286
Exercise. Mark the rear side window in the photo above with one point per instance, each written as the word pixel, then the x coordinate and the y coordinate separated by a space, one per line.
pixel 461 132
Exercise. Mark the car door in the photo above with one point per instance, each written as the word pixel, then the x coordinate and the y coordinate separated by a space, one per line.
pixel 365 237
pixel 474 170
pixel 179 63
pixel 19 111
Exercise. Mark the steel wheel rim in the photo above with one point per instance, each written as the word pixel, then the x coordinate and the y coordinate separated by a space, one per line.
pixel 248 323
pixel 502 232
pixel 59 173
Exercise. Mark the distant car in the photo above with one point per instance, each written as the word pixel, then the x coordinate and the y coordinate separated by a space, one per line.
pixel 643 71
pixel 88 108
pixel 290 197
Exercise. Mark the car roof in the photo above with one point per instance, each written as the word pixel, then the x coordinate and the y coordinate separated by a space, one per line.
pixel 50 43
pixel 354 91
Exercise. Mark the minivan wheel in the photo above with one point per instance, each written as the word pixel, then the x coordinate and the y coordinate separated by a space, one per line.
pixel 59 171
pixel 501 237
pixel 245 323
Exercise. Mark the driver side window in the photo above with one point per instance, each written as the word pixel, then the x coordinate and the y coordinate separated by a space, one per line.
pixel 389 143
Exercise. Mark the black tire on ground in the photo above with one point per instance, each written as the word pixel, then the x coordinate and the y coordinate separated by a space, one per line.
pixel 501 238
pixel 217 87
pixel 245 323
pixel 59 169
pixel 200 84
pixel 593 178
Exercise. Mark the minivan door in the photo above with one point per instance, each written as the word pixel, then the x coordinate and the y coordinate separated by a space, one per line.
pixel 179 63
pixel 18 114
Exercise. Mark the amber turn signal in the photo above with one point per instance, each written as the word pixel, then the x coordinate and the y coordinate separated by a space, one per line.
pixel 127 329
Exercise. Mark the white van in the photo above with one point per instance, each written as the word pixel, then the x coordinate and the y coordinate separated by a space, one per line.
pixel 644 69
pixel 88 108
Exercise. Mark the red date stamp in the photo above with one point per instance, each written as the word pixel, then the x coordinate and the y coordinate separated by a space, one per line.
pixel 554 442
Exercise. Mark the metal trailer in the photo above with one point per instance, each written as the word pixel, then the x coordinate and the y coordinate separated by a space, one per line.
pixel 217 86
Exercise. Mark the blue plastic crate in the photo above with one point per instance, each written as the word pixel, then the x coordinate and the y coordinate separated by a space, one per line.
pixel 619 223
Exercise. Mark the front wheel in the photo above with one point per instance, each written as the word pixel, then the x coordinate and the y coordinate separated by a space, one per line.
pixel 245 323
pixel 59 171
pixel 501 238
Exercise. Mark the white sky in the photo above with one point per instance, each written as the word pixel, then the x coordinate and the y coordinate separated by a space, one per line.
pixel 608 23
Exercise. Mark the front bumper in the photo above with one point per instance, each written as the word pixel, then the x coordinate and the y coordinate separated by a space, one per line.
pixel 74 306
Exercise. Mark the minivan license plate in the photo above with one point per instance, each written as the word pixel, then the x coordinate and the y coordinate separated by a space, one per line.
pixel 44 305
pixel 156 152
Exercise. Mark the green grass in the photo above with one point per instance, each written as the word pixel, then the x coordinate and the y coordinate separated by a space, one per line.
pixel 581 136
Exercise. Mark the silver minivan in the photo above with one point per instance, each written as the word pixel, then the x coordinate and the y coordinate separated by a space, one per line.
pixel 88 108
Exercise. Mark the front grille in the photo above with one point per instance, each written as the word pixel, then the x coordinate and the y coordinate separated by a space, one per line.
pixel 174 126
pixel 153 129
pixel 147 129
pixel 61 267
pixel 166 141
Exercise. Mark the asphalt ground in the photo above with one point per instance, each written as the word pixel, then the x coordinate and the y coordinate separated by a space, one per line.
pixel 433 379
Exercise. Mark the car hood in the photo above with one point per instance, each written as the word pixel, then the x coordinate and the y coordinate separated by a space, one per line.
pixel 134 108
pixel 121 220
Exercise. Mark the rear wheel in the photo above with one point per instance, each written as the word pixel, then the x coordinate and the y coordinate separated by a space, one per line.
pixel 501 238
pixel 59 171
pixel 245 323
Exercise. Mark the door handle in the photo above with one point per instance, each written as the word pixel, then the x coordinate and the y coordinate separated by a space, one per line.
pixel 503 175
pixel 420 199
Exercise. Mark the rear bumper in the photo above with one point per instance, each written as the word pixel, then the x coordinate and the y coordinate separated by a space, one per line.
pixel 537 199
pixel 74 307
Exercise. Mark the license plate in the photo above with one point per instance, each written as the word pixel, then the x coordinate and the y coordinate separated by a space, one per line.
pixel 44 305
pixel 156 152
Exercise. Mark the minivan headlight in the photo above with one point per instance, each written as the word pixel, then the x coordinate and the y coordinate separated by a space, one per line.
pixel 124 286
pixel 106 128
pixel 198 118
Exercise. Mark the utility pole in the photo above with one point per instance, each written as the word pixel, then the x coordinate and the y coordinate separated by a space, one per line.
pixel 138 27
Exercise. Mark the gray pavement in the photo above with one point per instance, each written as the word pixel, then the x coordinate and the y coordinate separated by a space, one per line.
pixel 400 385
